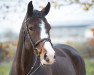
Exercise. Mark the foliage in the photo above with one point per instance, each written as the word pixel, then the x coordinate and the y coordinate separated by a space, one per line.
pixel 89 66
pixel 84 48
pixel 5 68
pixel 7 50
pixel 85 4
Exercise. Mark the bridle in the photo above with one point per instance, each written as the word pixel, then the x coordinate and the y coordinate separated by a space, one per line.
pixel 34 45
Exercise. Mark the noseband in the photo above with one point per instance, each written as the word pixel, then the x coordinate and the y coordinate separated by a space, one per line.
pixel 34 45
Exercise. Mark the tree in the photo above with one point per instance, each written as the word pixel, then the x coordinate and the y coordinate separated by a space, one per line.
pixel 87 4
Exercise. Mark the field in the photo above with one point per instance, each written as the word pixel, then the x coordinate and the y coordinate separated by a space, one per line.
pixel 89 67
pixel 5 67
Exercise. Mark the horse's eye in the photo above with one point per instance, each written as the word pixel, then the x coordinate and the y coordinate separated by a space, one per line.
pixel 31 28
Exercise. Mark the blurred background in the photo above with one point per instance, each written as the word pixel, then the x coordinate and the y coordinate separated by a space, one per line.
pixel 72 23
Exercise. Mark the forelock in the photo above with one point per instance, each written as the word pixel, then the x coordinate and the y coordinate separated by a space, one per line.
pixel 37 14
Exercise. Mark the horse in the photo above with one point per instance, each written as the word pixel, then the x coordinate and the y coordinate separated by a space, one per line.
pixel 37 55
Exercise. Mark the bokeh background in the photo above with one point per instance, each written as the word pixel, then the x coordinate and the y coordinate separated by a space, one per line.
pixel 72 23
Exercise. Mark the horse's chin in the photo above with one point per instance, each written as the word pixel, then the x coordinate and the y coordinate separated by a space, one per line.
pixel 44 62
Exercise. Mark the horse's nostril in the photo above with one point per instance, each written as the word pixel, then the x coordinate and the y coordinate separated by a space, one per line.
pixel 54 57
pixel 46 58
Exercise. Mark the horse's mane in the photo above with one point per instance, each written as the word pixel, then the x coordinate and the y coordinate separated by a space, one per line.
pixel 21 51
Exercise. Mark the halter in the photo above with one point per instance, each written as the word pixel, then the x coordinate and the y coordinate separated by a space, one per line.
pixel 34 45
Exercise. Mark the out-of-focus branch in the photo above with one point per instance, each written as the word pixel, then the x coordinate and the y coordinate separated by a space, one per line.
pixel 86 5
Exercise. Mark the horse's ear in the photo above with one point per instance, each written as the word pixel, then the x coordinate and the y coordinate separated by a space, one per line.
pixel 46 9
pixel 30 9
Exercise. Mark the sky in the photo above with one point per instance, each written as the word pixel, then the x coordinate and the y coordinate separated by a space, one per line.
pixel 66 15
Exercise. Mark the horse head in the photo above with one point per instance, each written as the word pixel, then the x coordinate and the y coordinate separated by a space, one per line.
pixel 38 30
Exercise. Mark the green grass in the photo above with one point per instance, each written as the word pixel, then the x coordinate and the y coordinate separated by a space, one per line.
pixel 5 67
pixel 89 67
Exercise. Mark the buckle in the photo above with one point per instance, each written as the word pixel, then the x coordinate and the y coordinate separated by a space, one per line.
pixel 36 52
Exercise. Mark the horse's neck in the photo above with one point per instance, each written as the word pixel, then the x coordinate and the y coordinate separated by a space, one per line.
pixel 26 59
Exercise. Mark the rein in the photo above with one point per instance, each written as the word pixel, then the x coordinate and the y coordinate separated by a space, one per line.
pixel 34 45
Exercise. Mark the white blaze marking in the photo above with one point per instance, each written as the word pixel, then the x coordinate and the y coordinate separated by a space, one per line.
pixel 47 45
pixel 43 31
pixel 50 51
